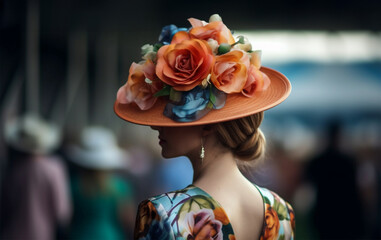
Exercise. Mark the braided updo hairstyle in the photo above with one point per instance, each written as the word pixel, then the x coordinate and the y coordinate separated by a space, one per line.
pixel 243 137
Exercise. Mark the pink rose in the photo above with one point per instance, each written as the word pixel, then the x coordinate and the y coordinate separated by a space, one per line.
pixel 256 81
pixel 141 85
pixel 214 30
pixel 202 225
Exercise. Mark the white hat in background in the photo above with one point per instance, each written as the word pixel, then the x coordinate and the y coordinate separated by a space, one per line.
pixel 98 149
pixel 31 134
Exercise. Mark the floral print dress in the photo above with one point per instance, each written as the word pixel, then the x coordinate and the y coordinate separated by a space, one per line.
pixel 191 213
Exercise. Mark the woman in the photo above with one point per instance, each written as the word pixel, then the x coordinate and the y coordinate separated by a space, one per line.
pixel 102 201
pixel 205 92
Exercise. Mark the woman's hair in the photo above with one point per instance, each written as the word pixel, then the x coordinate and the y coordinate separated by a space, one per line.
pixel 243 137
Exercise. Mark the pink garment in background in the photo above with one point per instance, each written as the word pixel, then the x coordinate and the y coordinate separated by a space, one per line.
pixel 34 199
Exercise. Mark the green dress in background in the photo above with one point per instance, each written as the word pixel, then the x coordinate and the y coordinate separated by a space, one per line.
pixel 95 214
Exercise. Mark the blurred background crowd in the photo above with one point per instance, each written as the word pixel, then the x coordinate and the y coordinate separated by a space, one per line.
pixel 70 169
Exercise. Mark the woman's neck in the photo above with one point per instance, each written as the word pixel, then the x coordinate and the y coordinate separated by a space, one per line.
pixel 218 166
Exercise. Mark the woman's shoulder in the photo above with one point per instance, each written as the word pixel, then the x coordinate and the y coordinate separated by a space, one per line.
pixel 169 199
pixel 279 222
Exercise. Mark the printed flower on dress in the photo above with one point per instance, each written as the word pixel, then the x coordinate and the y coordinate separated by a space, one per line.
pixel 202 225
pixel 221 215
pixel 204 61
pixel 271 228
pixel 147 215
pixel 292 216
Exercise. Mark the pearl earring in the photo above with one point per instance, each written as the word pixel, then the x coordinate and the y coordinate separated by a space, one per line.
pixel 202 153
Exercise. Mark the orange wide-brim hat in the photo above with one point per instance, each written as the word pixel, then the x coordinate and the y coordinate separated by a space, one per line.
pixel 236 105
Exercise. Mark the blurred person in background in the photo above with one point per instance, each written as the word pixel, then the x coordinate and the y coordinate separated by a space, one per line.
pixel 205 93
pixel 103 205
pixel 338 210
pixel 35 202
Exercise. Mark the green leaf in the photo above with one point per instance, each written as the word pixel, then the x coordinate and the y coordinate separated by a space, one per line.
pixel 174 95
pixel 212 97
pixel 157 46
pixel 210 105
pixel 281 210
pixel 196 202
pixel 266 200
pixel 165 91
pixel 282 237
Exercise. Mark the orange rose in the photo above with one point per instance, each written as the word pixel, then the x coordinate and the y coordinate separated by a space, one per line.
pixel 179 37
pixel 141 86
pixel 184 65
pixel 272 224
pixel 214 30
pixel 256 81
pixel 229 73
pixel 146 214
pixel 292 216
pixel 220 215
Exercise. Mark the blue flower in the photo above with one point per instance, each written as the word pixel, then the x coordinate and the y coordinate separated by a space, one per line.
pixel 159 230
pixel 167 33
pixel 195 104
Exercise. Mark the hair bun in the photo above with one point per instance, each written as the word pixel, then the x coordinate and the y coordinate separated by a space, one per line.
pixel 243 137
pixel 253 148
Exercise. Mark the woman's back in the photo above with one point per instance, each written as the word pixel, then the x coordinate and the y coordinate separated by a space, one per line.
pixel 192 213
pixel 243 204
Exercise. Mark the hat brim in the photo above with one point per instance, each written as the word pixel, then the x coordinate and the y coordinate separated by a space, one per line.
pixel 236 106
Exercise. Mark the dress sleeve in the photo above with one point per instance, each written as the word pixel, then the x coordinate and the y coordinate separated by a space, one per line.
pixel 279 222
pixel 150 224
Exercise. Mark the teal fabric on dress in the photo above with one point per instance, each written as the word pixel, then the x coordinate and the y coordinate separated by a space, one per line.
pixel 96 214
pixel 191 213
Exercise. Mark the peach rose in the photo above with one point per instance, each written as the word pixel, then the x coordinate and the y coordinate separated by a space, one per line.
pixel 229 73
pixel 214 30
pixel 140 86
pixel 184 65
pixel 272 224
pixel 202 225
pixel 256 81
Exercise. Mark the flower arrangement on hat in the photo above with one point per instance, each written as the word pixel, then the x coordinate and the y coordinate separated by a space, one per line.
pixel 196 69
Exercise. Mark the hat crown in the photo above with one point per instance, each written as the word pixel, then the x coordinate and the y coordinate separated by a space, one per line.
pixel 32 134
pixel 97 138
